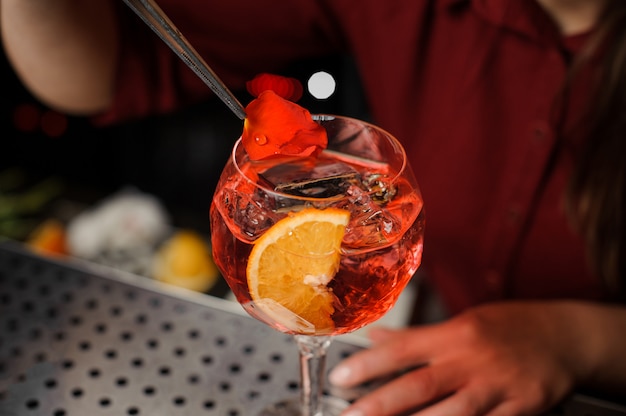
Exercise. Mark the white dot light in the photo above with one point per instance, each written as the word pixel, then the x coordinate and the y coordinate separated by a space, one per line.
pixel 321 85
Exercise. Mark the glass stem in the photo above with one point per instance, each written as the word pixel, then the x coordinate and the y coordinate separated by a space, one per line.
pixel 312 372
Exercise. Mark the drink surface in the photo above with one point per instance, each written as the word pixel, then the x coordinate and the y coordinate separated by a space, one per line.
pixel 381 247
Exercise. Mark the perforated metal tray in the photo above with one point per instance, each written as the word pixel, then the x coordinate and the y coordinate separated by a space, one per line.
pixel 77 339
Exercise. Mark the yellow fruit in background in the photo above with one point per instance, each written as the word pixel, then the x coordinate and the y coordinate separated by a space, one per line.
pixel 185 261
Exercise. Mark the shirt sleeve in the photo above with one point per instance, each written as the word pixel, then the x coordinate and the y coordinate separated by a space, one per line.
pixel 238 39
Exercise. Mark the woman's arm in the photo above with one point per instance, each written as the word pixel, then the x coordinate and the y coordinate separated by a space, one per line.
pixel 513 358
pixel 64 51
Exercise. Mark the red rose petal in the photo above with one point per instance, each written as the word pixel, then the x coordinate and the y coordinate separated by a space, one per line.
pixel 277 127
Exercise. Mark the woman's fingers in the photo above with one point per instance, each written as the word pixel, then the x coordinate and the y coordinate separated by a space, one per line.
pixel 465 402
pixel 393 351
pixel 412 390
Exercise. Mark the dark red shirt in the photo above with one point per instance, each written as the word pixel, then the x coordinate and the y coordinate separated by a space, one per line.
pixel 468 86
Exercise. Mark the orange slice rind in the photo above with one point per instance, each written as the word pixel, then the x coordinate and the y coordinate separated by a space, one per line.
pixel 291 266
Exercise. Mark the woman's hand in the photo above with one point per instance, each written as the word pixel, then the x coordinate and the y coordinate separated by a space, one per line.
pixel 501 359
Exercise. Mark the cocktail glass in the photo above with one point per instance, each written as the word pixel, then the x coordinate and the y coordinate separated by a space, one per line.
pixel 363 171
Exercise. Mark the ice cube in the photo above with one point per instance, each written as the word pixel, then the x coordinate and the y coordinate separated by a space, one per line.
pixel 380 187
pixel 370 224
pixel 323 180
pixel 250 212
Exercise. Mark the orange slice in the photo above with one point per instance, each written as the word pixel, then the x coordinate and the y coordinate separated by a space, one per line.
pixel 291 265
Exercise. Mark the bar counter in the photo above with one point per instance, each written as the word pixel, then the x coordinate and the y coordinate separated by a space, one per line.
pixel 77 339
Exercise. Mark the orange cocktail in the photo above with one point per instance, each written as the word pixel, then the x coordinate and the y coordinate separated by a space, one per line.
pixel 319 236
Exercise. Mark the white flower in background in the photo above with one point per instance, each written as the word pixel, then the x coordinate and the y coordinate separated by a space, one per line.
pixel 126 221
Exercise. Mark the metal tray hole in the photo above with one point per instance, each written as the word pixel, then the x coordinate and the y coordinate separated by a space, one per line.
pixel 136 362
pixel 94 373
pixel 179 352
pixel 32 404
pixel 165 371
pixel 60 276
pixel 106 288
pixel 167 326
pixel 152 344
pixel 133 411
pixel 208 315
pixel 35 334
pixel 149 391
pixel 52 312
pixel 155 303
pixel 5 299
pixel 193 379
pixel 179 401
pixel 100 328
pixel 75 320
pixel 194 334
pixel 121 382
pixel 105 402
pixel 141 319
pixel 126 336
pixel 116 311
pixel 207 360
pixel 77 393
pixel 264 377
pixel 110 354
pixel 16 352
pixel 44 290
pixel 59 412
pixel 67 297
pixel 21 284
pixel 50 383
pixel 13 325
pixel 28 306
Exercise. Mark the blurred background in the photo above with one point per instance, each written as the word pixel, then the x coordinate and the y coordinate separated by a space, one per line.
pixel 55 168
